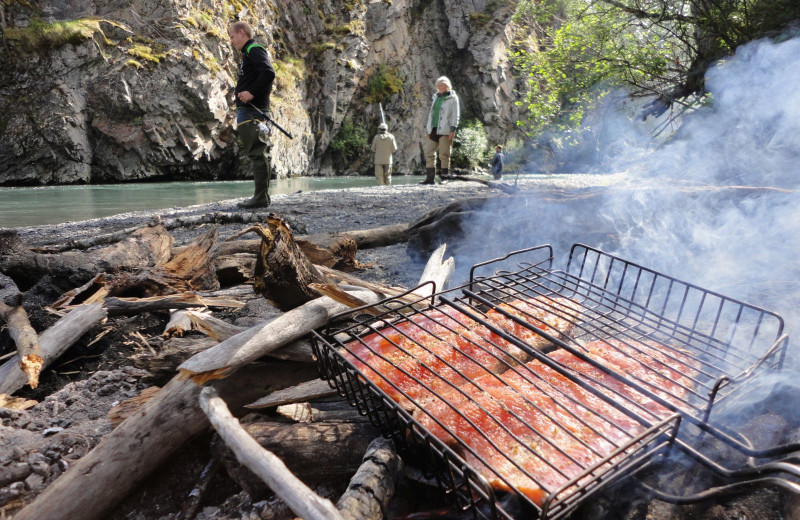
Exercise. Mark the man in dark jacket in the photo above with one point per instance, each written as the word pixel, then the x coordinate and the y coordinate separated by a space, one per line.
pixel 497 163
pixel 253 90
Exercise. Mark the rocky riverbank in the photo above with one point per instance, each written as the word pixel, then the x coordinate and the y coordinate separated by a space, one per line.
pixel 79 397
pixel 76 394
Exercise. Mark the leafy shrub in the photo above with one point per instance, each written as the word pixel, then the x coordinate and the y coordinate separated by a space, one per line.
pixel 383 84
pixel 471 146
pixel 351 142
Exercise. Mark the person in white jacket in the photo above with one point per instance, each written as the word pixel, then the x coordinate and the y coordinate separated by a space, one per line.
pixel 383 146
pixel 440 130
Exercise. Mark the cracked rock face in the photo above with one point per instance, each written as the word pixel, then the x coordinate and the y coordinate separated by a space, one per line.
pixel 143 90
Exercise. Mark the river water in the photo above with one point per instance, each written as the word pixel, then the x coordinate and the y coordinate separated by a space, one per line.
pixel 21 207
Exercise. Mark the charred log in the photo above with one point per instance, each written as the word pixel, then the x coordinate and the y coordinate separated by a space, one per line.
pixel 192 269
pixel 283 272
pixel 304 447
pixel 146 247
pixel 374 484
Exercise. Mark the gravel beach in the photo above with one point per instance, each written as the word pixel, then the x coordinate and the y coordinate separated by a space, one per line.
pixel 327 211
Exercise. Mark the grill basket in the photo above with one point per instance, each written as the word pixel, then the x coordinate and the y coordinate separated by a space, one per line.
pixel 720 342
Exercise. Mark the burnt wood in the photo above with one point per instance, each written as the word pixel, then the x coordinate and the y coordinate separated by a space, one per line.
pixel 314 452
pixel 283 272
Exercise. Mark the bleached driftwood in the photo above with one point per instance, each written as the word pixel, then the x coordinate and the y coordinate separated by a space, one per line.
pixel 53 343
pixel 438 271
pixel 97 482
pixel 327 452
pixel 178 325
pixel 294 394
pixel 125 306
pixel 212 327
pixel 300 498
pixel 24 336
pixel 93 485
pixel 255 342
pixel 374 484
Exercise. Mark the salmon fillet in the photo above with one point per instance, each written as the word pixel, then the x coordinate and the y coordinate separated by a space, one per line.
pixel 433 352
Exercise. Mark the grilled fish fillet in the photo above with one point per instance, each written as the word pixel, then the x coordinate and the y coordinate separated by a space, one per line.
pixel 439 350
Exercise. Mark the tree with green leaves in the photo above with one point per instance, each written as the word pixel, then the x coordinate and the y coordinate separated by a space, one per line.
pixel 580 50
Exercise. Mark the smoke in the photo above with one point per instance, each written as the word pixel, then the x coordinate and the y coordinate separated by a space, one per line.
pixel 717 205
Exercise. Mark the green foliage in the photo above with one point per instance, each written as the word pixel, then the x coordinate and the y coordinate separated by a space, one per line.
pixel 289 72
pixel 40 36
pixel 146 52
pixel 383 84
pixel 319 48
pixel 480 19
pixel 572 53
pixel 472 146
pixel 351 142
pixel 587 55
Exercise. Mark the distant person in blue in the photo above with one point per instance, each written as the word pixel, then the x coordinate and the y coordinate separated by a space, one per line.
pixel 497 163
pixel 253 90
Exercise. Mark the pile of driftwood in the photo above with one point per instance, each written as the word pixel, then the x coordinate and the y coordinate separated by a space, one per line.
pixel 309 278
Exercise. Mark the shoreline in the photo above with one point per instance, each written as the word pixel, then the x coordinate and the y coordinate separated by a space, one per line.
pixel 323 211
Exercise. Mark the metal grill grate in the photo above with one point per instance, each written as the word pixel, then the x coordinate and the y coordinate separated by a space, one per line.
pixel 469 383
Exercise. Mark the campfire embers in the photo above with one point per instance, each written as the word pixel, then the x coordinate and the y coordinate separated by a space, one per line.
pixel 549 384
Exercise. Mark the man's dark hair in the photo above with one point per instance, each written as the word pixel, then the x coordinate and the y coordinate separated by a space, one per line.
pixel 243 26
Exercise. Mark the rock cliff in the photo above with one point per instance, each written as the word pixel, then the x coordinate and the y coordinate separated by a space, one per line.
pixel 110 90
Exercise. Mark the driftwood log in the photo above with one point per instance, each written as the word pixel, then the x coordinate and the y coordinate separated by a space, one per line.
pixel 53 343
pixel 306 448
pixel 93 485
pixel 502 186
pixel 363 238
pixel 163 364
pixel 255 342
pixel 192 269
pixel 283 273
pixel 374 484
pixel 98 481
pixel 145 247
pixel 26 339
pixel 128 306
pixel 174 223
pixel 294 394
pixel 264 463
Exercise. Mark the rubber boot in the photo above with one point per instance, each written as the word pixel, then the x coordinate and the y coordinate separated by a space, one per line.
pixel 430 175
pixel 260 198
pixel 444 172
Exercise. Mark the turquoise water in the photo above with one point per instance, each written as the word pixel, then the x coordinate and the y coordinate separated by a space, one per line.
pixel 21 207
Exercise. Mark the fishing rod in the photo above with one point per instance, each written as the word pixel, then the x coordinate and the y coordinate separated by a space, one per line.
pixel 383 117
pixel 272 121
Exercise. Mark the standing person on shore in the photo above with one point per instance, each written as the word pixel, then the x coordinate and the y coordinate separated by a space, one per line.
pixel 383 146
pixel 440 131
pixel 253 90
pixel 497 163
